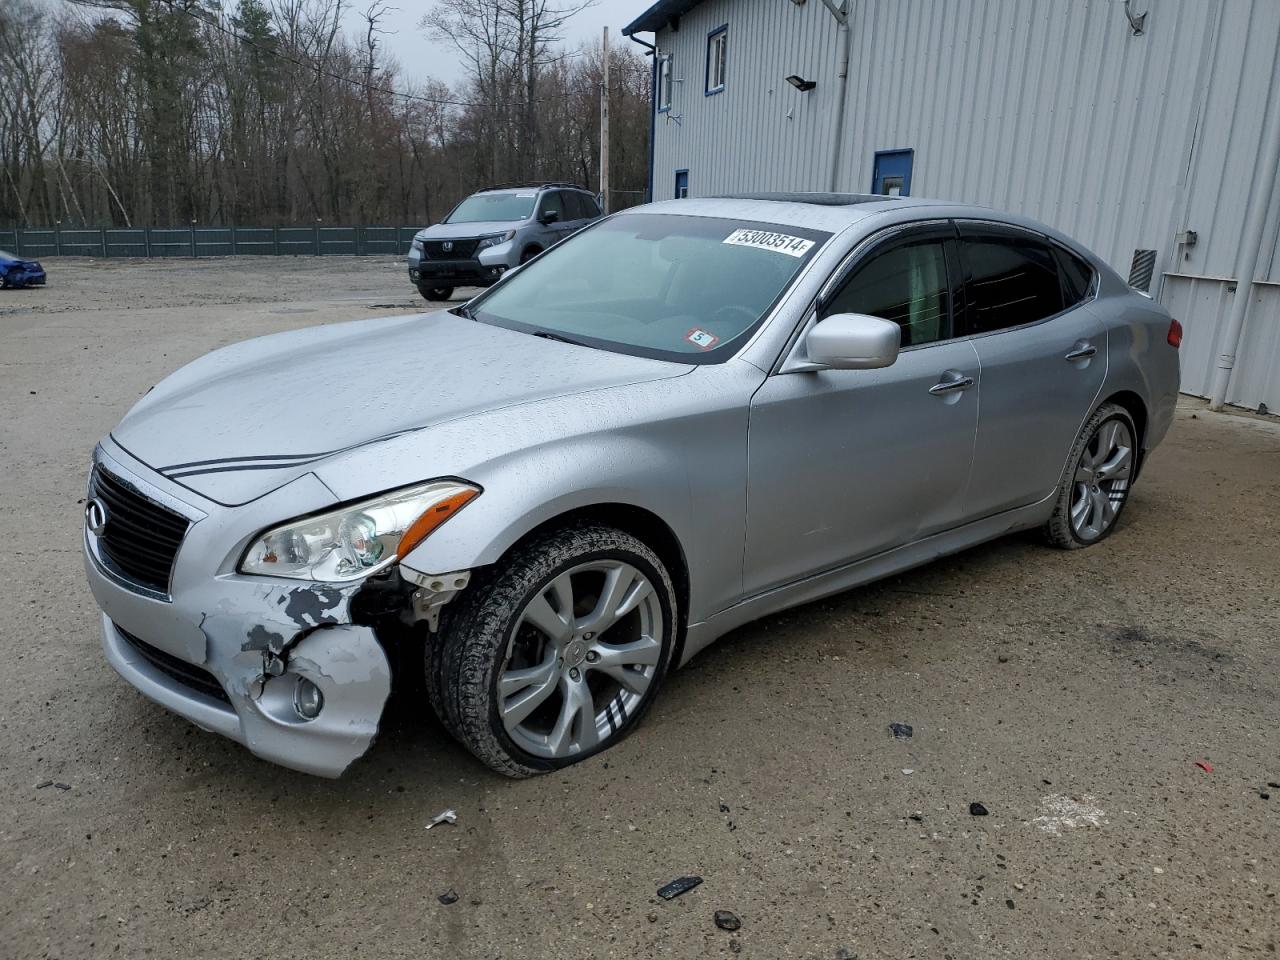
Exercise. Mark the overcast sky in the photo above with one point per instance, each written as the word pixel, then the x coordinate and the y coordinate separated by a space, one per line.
pixel 420 58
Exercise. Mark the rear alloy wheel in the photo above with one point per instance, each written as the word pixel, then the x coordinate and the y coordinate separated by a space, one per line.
pixel 558 653
pixel 436 294
pixel 1099 476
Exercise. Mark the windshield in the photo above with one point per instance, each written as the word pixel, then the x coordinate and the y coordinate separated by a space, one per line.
pixel 493 206
pixel 669 286
pixel 7 255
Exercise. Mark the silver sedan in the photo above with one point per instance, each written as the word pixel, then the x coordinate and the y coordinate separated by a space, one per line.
pixel 687 416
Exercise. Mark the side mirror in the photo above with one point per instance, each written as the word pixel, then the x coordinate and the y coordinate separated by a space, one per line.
pixel 853 341
pixel 548 216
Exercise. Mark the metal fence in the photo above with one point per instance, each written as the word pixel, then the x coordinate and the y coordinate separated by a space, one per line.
pixel 198 241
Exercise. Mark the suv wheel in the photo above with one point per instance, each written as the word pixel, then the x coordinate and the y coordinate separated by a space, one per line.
pixel 557 653
pixel 436 294
pixel 529 254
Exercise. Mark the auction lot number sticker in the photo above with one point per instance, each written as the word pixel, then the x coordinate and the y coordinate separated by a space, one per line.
pixel 766 240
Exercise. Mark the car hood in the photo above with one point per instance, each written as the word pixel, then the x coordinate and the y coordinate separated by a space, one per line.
pixel 251 417
pixel 464 231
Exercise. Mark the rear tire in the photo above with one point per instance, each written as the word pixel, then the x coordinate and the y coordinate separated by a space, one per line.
pixel 529 254
pixel 556 653
pixel 1095 485
pixel 436 294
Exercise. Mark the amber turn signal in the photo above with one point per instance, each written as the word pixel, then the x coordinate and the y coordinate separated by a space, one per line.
pixel 422 528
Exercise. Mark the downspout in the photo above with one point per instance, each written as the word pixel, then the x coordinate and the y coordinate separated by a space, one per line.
pixel 1250 248
pixel 841 13
pixel 653 104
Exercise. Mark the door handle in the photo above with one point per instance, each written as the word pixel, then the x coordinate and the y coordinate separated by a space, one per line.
pixel 951 386
pixel 1081 353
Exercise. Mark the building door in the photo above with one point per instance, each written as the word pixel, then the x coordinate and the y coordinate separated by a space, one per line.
pixel 891 175
pixel 682 184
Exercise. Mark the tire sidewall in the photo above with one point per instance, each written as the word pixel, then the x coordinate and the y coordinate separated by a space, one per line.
pixel 662 585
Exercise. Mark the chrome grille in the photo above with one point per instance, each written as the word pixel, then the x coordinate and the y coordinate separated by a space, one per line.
pixel 141 537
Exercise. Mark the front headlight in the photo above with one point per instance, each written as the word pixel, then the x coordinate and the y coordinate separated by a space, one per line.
pixel 359 539
pixel 494 239
pixel 416 245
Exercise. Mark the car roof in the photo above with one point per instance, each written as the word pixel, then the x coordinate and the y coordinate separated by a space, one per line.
pixel 834 212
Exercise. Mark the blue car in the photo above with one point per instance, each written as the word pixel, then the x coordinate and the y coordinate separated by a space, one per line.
pixel 16 271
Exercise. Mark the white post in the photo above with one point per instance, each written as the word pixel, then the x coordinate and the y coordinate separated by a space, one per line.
pixel 1247 255
pixel 841 14
pixel 604 128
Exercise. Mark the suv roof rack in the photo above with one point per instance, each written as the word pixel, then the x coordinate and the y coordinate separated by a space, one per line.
pixel 540 185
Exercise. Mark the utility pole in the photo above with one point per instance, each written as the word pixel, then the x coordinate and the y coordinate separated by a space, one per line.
pixel 604 128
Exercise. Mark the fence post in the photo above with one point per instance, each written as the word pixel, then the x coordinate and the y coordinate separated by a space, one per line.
pixel 103 232
pixel 194 252
pixel 275 241
pixel 57 238
pixel 315 238
pixel 146 240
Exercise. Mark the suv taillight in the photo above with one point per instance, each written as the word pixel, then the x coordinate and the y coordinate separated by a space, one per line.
pixel 1175 334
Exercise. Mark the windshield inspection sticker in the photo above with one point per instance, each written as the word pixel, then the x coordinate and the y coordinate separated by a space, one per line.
pixel 701 339
pixel 764 240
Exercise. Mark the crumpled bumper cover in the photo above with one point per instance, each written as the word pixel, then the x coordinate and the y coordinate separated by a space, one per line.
pixel 258 638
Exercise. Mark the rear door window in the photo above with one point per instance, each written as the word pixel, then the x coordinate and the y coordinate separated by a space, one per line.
pixel 573 205
pixel 589 205
pixel 1012 281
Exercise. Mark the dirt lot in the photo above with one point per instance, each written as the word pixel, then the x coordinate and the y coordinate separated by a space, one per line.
pixel 1071 694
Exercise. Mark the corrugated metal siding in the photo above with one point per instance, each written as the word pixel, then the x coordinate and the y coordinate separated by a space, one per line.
pixel 1047 108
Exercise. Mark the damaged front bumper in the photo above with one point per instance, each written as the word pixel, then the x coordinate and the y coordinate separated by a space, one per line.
pixel 234 654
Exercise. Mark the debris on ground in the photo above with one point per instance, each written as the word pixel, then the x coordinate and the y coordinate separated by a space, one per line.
pixel 907 771
pixel 724 808
pixel 678 886
pixel 1205 765
pixel 1058 813
pixel 735 946
pixel 447 816
pixel 448 897
pixel 901 731
pixel 653 918
pixel 977 810
pixel 727 921
pixel 44 783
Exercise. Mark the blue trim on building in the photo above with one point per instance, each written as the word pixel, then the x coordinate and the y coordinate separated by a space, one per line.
pixel 707 89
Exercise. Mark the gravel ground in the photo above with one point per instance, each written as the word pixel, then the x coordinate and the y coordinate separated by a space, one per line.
pixel 1071 694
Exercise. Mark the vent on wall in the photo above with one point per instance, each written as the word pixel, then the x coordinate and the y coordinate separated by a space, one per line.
pixel 1144 265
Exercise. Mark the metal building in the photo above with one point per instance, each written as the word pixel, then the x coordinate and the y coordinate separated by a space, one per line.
pixel 1132 125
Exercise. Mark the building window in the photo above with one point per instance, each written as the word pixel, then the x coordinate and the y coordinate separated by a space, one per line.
pixel 664 84
pixel 717 53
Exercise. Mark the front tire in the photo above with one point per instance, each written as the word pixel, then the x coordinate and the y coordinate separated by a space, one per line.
pixel 436 294
pixel 1096 483
pixel 556 654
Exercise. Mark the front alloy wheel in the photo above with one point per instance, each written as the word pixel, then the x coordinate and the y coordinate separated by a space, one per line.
pixel 557 654
pixel 1095 490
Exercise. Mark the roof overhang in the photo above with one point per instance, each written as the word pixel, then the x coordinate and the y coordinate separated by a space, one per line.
pixel 661 14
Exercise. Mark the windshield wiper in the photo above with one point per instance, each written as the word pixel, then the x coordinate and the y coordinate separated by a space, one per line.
pixel 548 335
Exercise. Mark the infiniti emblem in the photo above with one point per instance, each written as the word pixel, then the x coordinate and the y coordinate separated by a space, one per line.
pixel 95 516
pixel 447 246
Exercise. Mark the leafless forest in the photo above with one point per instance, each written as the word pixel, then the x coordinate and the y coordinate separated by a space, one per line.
pixel 164 112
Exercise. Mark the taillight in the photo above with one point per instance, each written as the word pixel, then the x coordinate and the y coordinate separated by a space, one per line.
pixel 1175 334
